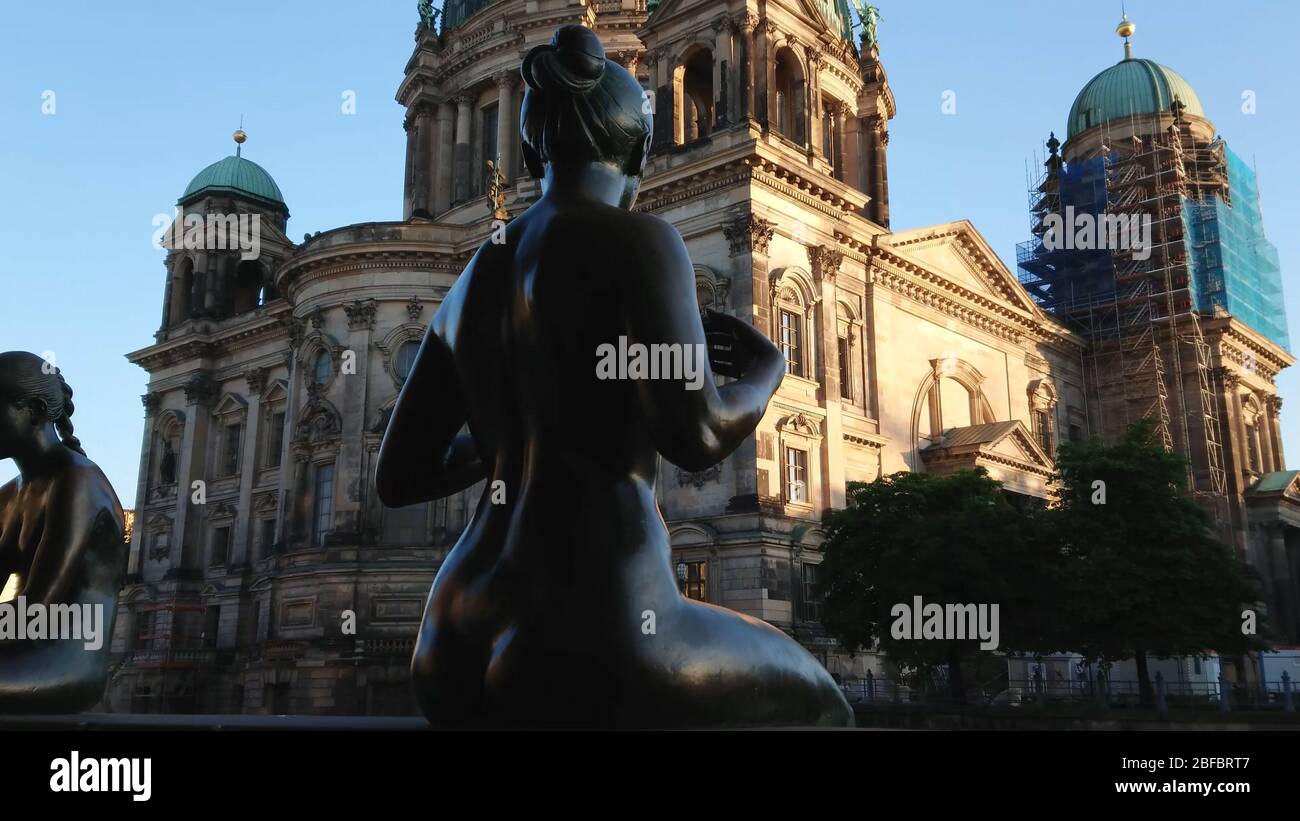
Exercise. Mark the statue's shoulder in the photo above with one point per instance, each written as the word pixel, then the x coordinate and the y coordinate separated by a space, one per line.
pixel 84 484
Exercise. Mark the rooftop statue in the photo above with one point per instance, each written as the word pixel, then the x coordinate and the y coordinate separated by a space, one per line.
pixel 558 607
pixel 61 534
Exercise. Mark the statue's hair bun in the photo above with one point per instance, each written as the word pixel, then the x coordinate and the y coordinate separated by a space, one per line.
pixel 573 62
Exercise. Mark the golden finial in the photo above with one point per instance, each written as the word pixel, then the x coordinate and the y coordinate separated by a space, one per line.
pixel 1125 29
pixel 239 136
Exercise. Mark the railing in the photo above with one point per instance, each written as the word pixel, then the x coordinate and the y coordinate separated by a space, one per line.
pixel 385 647
pixel 1099 693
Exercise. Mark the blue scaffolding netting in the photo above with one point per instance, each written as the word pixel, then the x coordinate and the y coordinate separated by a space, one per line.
pixel 1232 265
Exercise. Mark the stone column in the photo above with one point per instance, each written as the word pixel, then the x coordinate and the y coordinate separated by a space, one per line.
pixel 152 402
pixel 750 237
pixel 408 177
pixel 826 262
pixel 1273 411
pixel 664 101
pixel 421 173
pixel 285 486
pixel 723 69
pixel 243 534
pixel 853 158
pixel 746 24
pixel 765 71
pixel 814 112
pixel 840 142
pixel 507 124
pixel 879 171
pixel 353 483
pixel 167 304
pixel 1236 422
pixel 187 532
pixel 464 114
pixel 446 155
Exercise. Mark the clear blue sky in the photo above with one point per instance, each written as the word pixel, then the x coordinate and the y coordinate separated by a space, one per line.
pixel 147 95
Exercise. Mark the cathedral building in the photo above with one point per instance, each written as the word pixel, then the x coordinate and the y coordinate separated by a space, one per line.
pixel 1187 328
pixel 266 576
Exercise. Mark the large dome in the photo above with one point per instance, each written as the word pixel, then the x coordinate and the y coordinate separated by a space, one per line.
pixel 1130 87
pixel 235 175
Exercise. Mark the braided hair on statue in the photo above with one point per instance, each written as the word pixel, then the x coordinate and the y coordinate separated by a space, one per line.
pixel 28 377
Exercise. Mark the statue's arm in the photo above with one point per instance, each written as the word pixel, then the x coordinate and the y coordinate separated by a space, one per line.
pixel 424 455
pixel 695 425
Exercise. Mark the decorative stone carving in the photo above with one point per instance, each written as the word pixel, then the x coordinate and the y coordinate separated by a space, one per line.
pixel 159 552
pixel 200 389
pixel 361 314
pixel 699 477
pixel 414 309
pixel 750 234
pixel 1274 405
pixel 317 318
pixel 152 401
pixel 256 379
pixel 825 261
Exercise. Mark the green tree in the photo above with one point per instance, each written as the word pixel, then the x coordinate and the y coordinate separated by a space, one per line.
pixel 952 539
pixel 1147 574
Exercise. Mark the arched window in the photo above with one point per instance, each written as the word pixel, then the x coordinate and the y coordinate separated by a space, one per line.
pixel 955 404
pixel 790 107
pixel 182 301
pixel 405 359
pixel 248 287
pixel 697 95
pixel 322 368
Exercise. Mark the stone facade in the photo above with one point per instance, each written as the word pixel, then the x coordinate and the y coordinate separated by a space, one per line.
pixel 909 350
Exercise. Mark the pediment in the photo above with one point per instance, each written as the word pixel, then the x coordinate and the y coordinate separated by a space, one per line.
pixel 230 404
pixel 1020 446
pixel 958 254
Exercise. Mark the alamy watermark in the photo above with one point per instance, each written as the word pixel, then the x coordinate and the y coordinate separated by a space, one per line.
pixel 1088 232
pixel 672 361
pixel 947 622
pixel 209 232
pixel 24 621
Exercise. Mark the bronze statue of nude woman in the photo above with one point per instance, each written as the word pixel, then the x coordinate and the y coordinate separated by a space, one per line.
pixel 60 534
pixel 540 615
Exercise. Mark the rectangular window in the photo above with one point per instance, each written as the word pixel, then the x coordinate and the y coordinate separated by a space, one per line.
pixel 1043 425
pixel 323 504
pixel 1252 448
pixel 268 536
pixel 211 625
pixel 694 581
pixel 790 342
pixel 490 117
pixel 1076 433
pixel 812 594
pixel 796 475
pixel 275 440
pixel 144 621
pixel 846 370
pixel 220 547
pixel 161 546
pixel 230 450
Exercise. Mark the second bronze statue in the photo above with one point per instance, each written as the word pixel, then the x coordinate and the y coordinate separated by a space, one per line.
pixel 559 608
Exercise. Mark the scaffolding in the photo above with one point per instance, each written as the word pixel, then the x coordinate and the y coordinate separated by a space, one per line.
pixel 1137 292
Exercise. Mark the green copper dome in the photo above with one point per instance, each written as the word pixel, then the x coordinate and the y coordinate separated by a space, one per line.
pixel 1130 87
pixel 235 175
